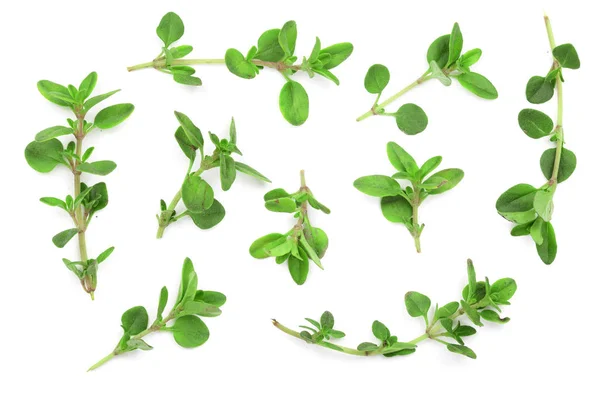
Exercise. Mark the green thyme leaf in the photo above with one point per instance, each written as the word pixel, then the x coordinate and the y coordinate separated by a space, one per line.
pixel 478 84
pixel 209 218
pixel 113 115
pixel 411 119
pixel 377 78
pixel 293 103
pixel 539 90
pixel 535 123
pixel 568 162
pixel 170 29
pixel 567 56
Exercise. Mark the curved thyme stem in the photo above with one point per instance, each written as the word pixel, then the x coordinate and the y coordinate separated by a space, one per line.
pixel 161 62
pixel 79 219
pixel 559 119
pixel 378 108
pixel 432 332
pixel 343 349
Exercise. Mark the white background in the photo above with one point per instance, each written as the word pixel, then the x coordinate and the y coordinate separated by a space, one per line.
pixel 51 331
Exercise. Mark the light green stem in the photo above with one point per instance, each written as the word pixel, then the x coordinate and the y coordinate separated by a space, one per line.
pixel 559 131
pixel 375 109
pixel 432 332
pixel 343 349
pixel 416 232
pixel 161 63
pixel 156 326
pixel 79 217
pixel 103 361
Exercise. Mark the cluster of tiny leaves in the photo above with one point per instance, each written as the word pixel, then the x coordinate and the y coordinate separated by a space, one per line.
pixel 47 151
pixel 446 61
pixel 275 49
pixel 188 329
pixel 480 301
pixel 528 207
pixel 196 193
pixel 300 244
pixel 400 204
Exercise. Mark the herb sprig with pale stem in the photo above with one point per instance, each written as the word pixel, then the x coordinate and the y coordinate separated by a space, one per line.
pixel 528 207
pixel 275 50
pixel 445 62
pixel 197 195
pixel 401 205
pixel 46 152
pixel 480 301
pixel 300 244
pixel 188 329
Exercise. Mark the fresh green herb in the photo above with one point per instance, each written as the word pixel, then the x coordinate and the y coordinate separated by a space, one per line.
pixel 401 205
pixel 480 301
pixel 300 244
pixel 530 208
pixel 444 61
pixel 188 329
pixel 275 50
pixel 46 152
pixel 197 195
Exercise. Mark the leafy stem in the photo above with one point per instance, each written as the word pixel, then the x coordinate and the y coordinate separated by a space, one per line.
pixel 275 50
pixel 188 329
pixel 531 208
pixel 379 108
pixel 47 152
pixel 196 194
pixel 88 280
pixel 446 61
pixel 161 64
pixel 205 165
pixel 344 349
pixel 401 205
pixel 300 244
pixel 156 326
pixel 480 301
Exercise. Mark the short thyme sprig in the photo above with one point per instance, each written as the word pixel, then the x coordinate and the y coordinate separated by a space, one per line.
pixel 188 329
pixel 480 300
pixel 401 205
pixel 46 152
pixel 445 62
pixel 197 195
pixel 300 244
pixel 528 207
pixel 275 50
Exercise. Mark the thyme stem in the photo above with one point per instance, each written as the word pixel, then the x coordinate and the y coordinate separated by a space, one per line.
pixel 376 107
pixel 79 218
pixel 161 62
pixel 559 119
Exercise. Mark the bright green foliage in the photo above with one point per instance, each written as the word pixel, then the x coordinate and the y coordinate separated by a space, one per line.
pixel 188 329
pixel 530 208
pixel 445 61
pixel 401 205
pixel 275 49
pixel 301 244
pixel 197 194
pixel 47 152
pixel 447 325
